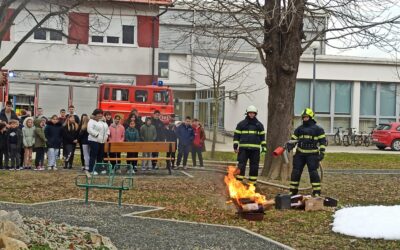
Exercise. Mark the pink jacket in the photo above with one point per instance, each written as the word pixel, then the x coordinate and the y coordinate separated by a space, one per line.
pixel 117 133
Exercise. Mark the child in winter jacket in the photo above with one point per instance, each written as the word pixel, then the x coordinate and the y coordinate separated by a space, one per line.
pixel 28 132
pixel 147 133
pixel 83 137
pixel 198 142
pixel 185 136
pixel 3 146
pixel 40 143
pixel 14 140
pixel 98 135
pixel 53 132
pixel 70 138
pixel 116 134
pixel 132 135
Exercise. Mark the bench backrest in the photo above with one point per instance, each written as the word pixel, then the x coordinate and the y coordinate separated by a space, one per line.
pixel 133 147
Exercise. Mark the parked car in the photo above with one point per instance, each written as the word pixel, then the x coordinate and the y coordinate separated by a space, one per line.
pixel 387 135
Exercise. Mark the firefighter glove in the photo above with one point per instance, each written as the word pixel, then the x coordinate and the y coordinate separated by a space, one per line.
pixel 263 149
pixel 289 146
pixel 321 156
pixel 235 146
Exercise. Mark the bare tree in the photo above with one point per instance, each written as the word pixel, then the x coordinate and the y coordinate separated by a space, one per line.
pixel 214 69
pixel 51 9
pixel 279 32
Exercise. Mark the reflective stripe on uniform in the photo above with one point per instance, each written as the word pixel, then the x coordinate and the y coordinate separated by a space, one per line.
pixel 263 142
pixel 262 133
pixel 238 131
pixel 250 132
pixel 235 142
pixel 294 137
pixel 239 177
pixel 321 136
pixel 308 151
pixel 322 146
pixel 253 178
pixel 249 145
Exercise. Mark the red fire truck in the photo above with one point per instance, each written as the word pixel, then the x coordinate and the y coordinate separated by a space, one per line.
pixel 121 99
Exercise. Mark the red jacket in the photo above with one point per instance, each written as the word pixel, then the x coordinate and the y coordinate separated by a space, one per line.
pixel 199 136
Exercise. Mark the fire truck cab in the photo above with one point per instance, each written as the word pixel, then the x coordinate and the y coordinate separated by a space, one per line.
pixel 122 99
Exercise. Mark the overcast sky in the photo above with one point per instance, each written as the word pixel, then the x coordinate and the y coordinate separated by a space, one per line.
pixel 372 51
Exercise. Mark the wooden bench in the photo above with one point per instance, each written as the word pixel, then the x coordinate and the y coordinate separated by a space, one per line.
pixel 140 147
pixel 105 177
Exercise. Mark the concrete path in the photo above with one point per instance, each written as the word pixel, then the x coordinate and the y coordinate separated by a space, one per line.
pixel 227 147
pixel 128 230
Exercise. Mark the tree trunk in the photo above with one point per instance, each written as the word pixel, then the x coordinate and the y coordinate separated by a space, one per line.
pixel 280 116
pixel 215 125
pixel 282 51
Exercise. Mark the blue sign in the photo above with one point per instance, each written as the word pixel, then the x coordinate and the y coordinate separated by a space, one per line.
pixel 160 83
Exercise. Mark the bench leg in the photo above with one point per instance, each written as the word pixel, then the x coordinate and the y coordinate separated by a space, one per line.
pixel 119 197
pixel 87 196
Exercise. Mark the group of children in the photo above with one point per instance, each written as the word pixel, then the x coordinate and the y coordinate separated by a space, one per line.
pixel 40 135
pixel 188 137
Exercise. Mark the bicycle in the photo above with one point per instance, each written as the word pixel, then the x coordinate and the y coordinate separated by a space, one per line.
pixel 350 138
pixel 368 138
pixel 338 136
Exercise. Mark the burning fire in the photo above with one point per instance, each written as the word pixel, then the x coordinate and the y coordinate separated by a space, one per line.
pixel 239 191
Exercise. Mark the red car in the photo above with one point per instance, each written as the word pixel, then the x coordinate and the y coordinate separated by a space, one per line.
pixel 387 135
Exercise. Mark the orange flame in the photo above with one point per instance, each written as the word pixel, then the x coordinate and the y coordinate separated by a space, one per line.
pixel 238 190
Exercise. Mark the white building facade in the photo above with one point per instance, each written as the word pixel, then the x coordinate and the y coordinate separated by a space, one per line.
pixel 114 41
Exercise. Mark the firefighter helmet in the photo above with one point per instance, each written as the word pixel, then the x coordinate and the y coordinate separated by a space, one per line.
pixel 251 109
pixel 308 112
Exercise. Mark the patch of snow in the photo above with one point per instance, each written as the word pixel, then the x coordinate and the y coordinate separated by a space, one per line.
pixel 375 222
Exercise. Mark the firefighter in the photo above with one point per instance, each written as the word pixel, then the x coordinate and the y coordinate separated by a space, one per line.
pixel 311 144
pixel 249 139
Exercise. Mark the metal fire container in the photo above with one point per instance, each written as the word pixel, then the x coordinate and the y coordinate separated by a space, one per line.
pixel 283 201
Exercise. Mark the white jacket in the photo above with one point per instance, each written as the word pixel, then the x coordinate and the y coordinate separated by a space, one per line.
pixel 98 131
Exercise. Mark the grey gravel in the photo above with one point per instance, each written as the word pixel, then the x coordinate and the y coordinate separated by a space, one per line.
pixel 139 232
pixel 363 171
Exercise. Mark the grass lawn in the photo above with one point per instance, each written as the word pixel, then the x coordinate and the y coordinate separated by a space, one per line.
pixel 337 160
pixel 203 199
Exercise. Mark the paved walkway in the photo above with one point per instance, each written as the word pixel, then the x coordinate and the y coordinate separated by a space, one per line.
pixel 227 147
pixel 128 230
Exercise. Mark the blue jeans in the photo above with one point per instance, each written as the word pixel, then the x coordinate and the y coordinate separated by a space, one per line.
pixel 96 154
pixel 52 153
pixel 183 150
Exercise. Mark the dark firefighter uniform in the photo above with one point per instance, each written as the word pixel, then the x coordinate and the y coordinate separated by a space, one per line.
pixel 311 144
pixel 249 139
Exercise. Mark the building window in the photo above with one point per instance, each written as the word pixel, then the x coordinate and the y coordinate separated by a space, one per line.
pixel 112 39
pixel 368 99
pixel 106 94
pixel 141 96
pixel 47 35
pixel 343 98
pixel 302 96
pixel 163 65
pixel 120 94
pixel 367 125
pixel 55 35
pixel 39 34
pixel 112 30
pixel 161 96
pixel 97 39
pixel 388 99
pixel 128 34
pixel 322 97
